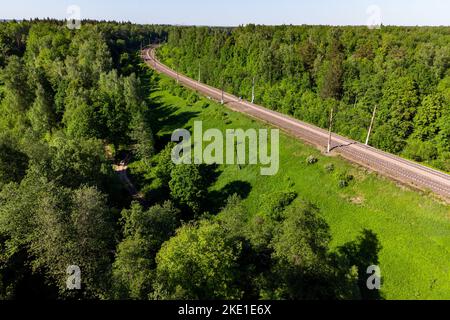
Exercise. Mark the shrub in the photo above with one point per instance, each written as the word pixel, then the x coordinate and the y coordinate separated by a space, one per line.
pixel 329 168
pixel 442 164
pixel 202 104
pixel 312 160
pixel 343 184
pixel 420 151
pixel 193 98
pixel 344 179
pixel 274 204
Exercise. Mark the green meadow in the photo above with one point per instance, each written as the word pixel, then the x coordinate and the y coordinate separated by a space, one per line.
pixel 413 228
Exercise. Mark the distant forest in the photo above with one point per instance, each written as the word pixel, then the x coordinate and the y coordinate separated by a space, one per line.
pixel 305 71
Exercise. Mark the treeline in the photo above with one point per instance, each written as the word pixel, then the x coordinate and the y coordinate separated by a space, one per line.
pixel 305 71
pixel 71 100
pixel 73 103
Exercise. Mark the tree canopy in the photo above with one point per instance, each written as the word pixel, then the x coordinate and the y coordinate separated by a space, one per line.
pixel 305 71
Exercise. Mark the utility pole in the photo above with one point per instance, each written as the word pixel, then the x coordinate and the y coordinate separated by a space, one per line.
pixel 371 125
pixel 199 72
pixel 330 131
pixel 222 100
pixel 253 90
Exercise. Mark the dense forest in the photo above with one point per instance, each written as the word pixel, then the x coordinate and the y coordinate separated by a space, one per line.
pixel 305 71
pixel 76 102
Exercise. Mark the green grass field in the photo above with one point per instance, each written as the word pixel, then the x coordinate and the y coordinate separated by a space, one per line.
pixel 413 228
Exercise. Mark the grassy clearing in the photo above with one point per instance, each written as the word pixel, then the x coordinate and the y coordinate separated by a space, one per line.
pixel 413 228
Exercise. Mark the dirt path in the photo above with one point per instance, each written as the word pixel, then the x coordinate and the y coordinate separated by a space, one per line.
pixel 121 171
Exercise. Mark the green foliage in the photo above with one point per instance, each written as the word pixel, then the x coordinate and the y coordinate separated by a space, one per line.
pixel 305 70
pixel 234 217
pixel 13 36
pixel 200 262
pixel 154 225
pixel 312 160
pixel 426 119
pixel 344 179
pixel 41 112
pixel 53 221
pixel 360 254
pixel 193 98
pixel 142 134
pixel 165 164
pixel 331 73
pixel 18 92
pixel 78 161
pixel 370 205
pixel 274 204
pixel 145 231
pixel 63 97
pixel 399 105
pixel 304 238
pixel 13 164
pixel 187 186
pixel 421 151
pixel 303 266
pixel 329 167
pixel 132 274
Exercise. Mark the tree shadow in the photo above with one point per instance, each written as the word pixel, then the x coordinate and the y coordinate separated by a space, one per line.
pixel 170 120
pixel 25 283
pixel 210 172
pixel 157 195
pixel 363 253
pixel 164 111
pixel 217 199
pixel 166 120
pixel 162 140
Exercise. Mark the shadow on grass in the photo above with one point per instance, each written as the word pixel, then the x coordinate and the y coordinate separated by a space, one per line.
pixel 217 200
pixel 167 114
pixel 363 253
pixel 166 120
pixel 170 120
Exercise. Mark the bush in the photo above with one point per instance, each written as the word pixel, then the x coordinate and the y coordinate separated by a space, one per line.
pixel 312 160
pixel 329 168
pixel 343 184
pixel 202 104
pixel 344 179
pixel 420 151
pixel 442 164
pixel 193 98
pixel 273 204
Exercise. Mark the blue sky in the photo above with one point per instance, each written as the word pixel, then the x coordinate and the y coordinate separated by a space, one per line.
pixel 235 12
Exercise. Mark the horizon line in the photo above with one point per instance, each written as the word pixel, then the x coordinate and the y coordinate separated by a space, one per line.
pixel 220 26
